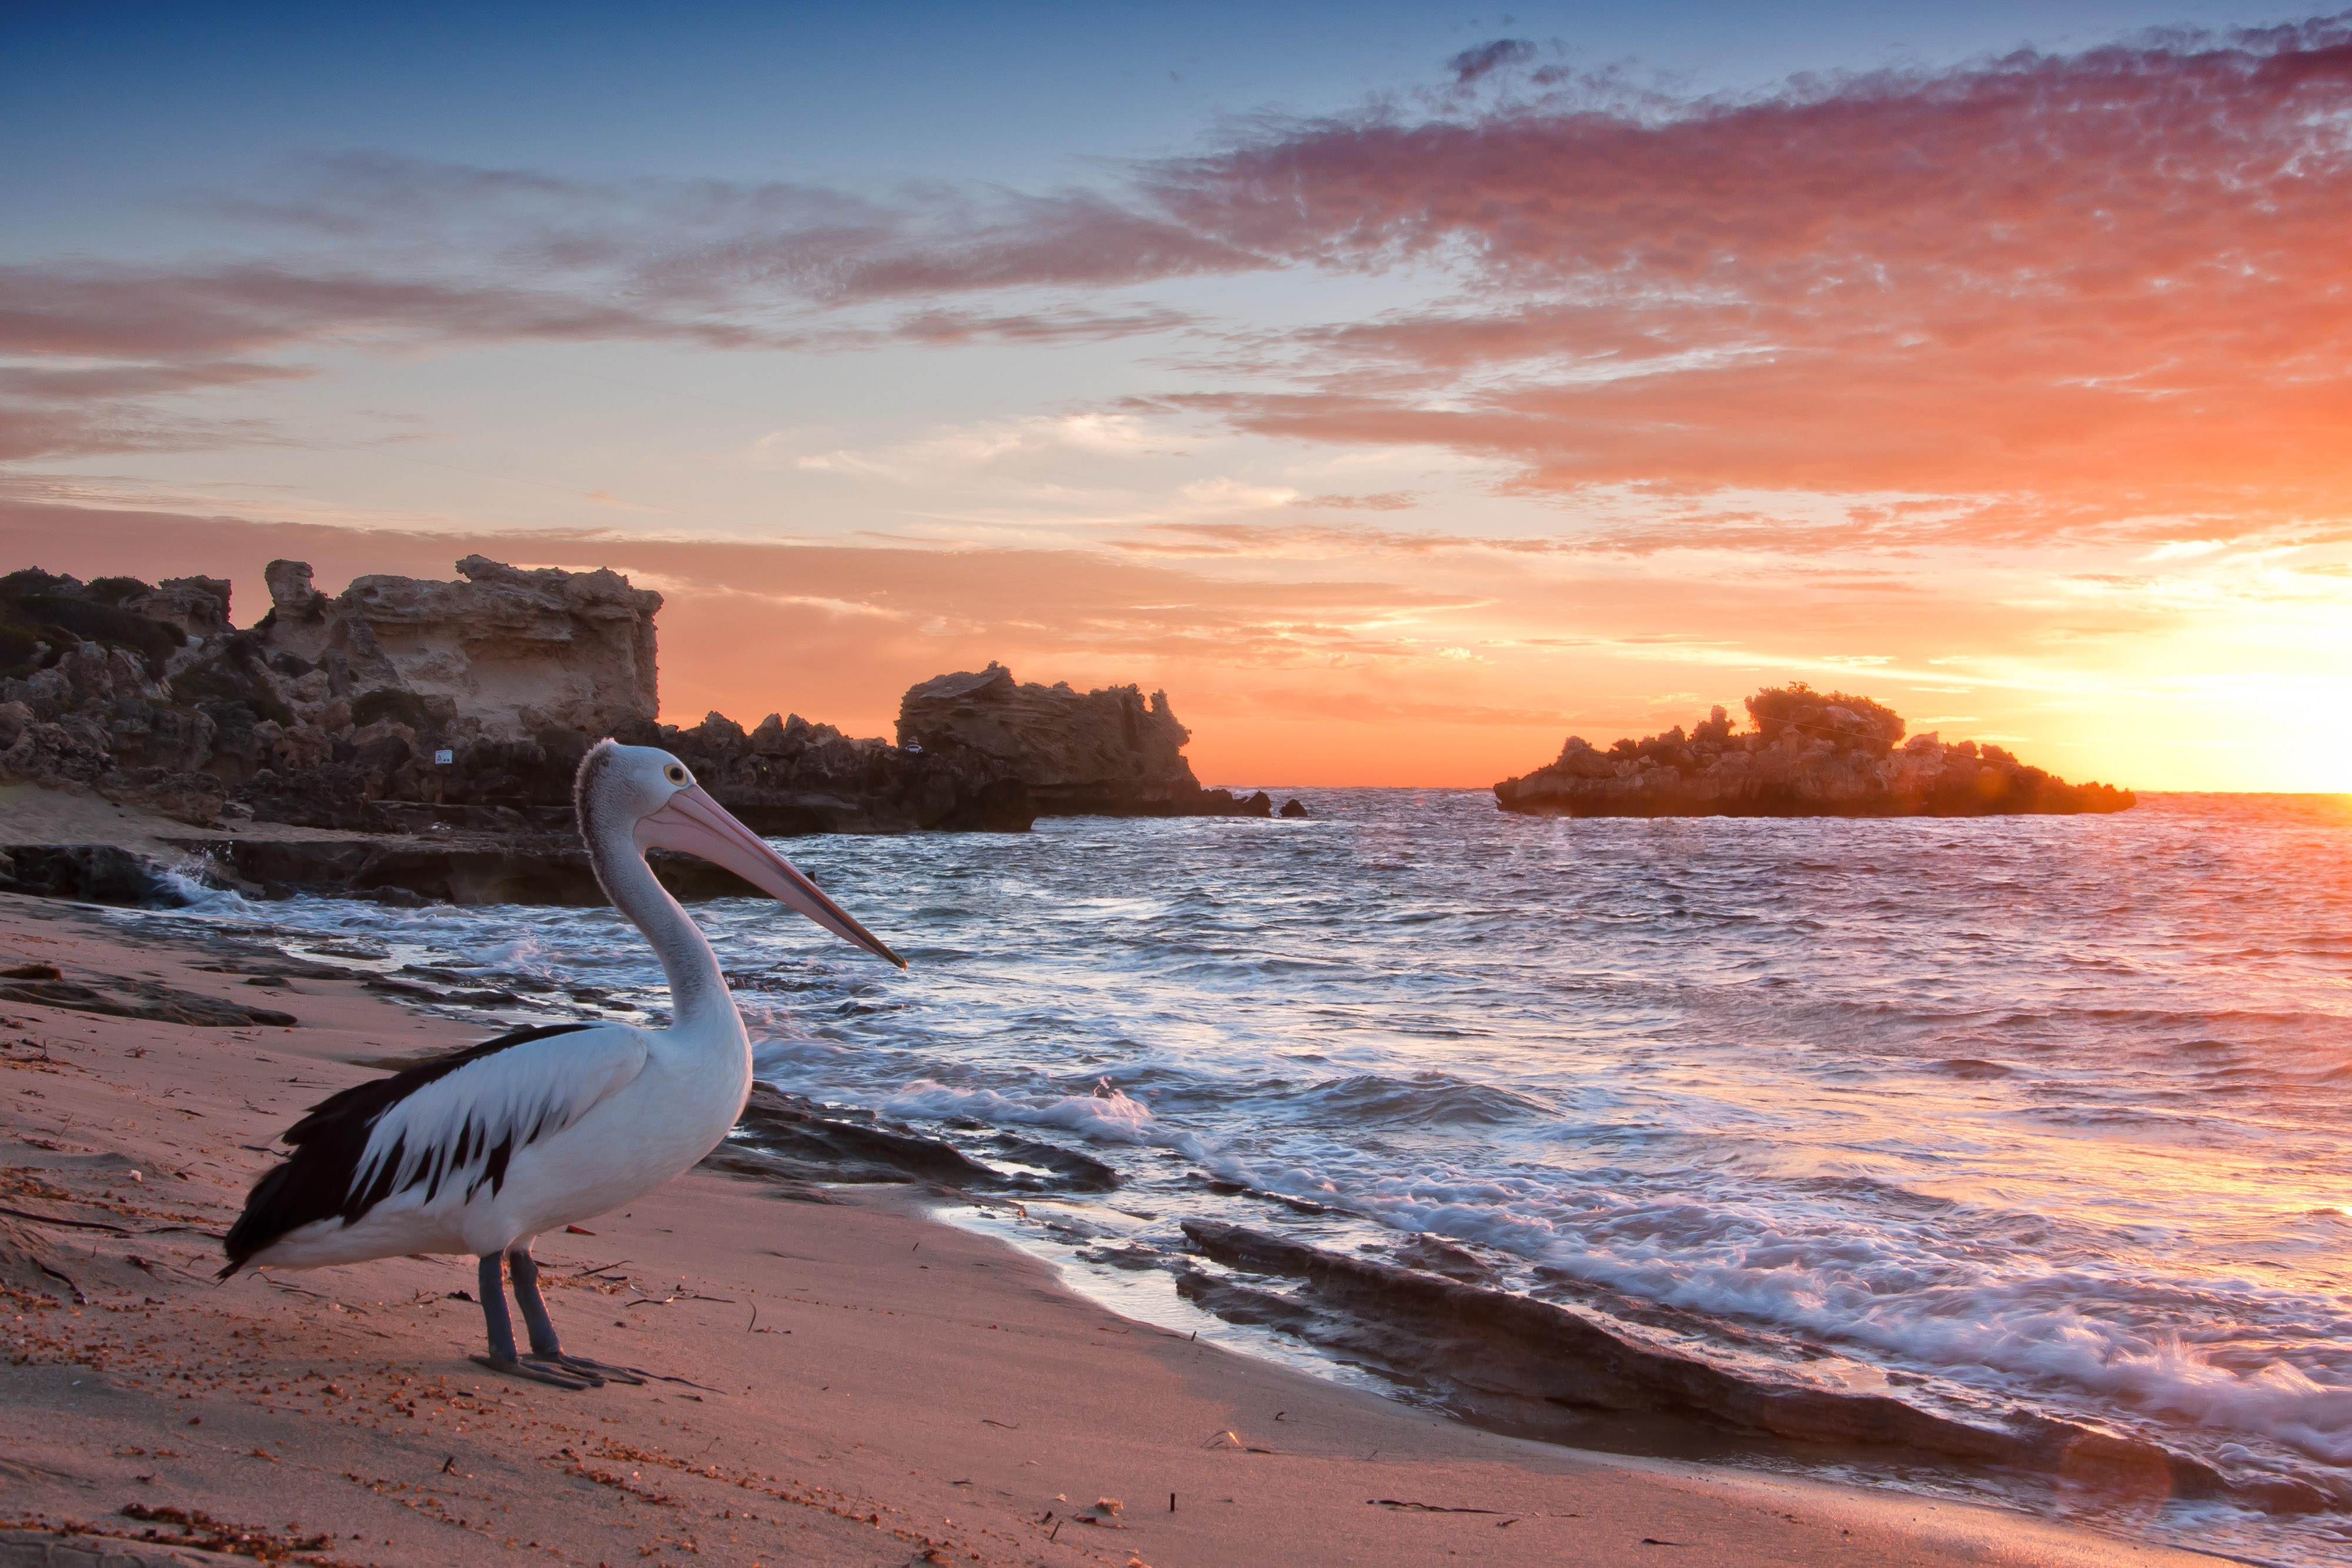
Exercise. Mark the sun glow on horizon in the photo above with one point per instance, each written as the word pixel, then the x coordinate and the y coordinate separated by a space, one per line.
pixel 1396 436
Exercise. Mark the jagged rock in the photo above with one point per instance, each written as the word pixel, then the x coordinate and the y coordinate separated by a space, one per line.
pixel 1810 755
pixel 401 705
pixel 196 605
pixel 516 652
pixel 1100 753
pixel 1292 808
pixel 542 867
pixel 143 998
pixel 196 798
pixel 292 597
pixel 43 616
pixel 72 751
pixel 794 776
pixel 87 874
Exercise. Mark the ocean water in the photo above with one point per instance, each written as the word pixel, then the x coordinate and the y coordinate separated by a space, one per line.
pixel 2046 1115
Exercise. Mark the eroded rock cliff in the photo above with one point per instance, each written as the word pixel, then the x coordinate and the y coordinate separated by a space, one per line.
pixel 1810 754
pixel 407 706
pixel 1106 752
pixel 328 707
pixel 510 652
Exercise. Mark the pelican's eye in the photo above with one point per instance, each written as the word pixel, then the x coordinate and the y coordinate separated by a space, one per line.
pixel 673 773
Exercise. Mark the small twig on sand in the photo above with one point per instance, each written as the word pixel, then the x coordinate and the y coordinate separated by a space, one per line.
pixel 60 1220
pixel 667 1377
pixel 79 1299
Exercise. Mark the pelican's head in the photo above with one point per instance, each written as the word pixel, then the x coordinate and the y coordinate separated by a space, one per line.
pixel 645 799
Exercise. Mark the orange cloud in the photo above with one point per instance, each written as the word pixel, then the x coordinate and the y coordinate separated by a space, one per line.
pixel 2031 377
pixel 2112 284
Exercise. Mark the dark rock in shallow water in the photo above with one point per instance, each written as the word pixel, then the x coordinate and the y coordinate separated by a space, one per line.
pixel 801 1139
pixel 1531 1366
pixel 784 1135
pixel 139 998
pixel 1293 809
pixel 87 874
pixel 1812 754
pixel 544 868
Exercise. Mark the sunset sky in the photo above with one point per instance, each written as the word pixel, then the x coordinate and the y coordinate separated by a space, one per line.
pixel 1400 387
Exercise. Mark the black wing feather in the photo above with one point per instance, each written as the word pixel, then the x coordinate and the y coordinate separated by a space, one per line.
pixel 316 1182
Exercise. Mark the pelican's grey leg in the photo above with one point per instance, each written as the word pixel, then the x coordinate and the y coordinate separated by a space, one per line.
pixel 492 1287
pixel 545 1349
pixel 525 1269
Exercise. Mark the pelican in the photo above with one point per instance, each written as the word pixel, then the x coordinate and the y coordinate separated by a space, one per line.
pixel 481 1150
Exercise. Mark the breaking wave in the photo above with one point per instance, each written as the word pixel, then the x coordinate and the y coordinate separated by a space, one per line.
pixel 2031 1125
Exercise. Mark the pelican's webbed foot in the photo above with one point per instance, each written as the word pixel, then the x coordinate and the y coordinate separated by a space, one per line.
pixel 598 1370
pixel 513 1368
pixel 546 1349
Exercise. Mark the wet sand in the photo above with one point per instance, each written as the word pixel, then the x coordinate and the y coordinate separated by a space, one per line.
pixel 849 1382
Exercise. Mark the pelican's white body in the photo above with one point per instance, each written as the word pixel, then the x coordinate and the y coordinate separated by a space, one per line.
pixel 637 1107
pixel 481 1152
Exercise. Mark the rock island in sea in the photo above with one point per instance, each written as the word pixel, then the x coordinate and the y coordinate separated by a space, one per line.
pixel 1810 754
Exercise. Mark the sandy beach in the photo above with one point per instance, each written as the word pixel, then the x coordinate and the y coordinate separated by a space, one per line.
pixel 847 1382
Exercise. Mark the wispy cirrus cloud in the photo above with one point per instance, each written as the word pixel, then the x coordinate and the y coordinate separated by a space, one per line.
pixel 394 253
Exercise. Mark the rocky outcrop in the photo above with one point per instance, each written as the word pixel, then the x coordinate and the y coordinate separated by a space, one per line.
pixel 407 706
pixel 976 752
pixel 546 868
pixel 789 776
pixel 1810 754
pixel 479 695
pixel 1100 753
pixel 507 654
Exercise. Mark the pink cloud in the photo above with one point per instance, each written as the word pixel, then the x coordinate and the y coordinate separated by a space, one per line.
pixel 1380 501
pixel 2111 283
pixel 2059 293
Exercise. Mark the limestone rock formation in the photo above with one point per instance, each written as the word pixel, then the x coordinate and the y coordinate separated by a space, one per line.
pixel 328 707
pixel 1100 753
pixel 512 651
pixel 1810 754
pixel 789 776
pixel 404 705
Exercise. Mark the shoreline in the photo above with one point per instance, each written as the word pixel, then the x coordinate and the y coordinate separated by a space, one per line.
pixel 868 1382
pixel 83 846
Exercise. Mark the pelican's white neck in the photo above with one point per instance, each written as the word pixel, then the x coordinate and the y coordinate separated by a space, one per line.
pixel 698 990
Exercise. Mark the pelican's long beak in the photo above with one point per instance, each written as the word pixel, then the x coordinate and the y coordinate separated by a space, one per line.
pixel 695 824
